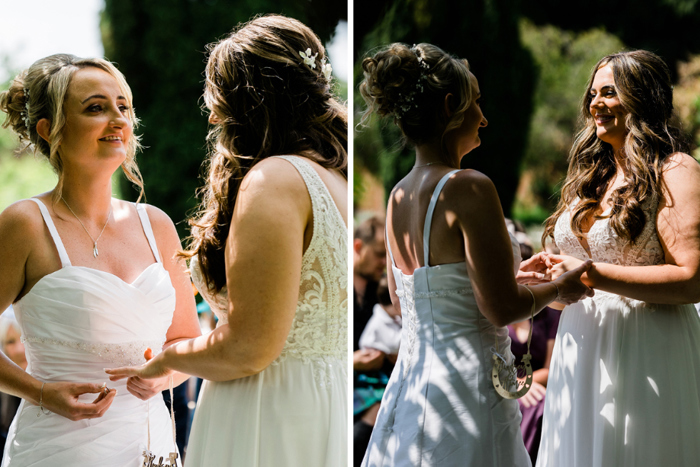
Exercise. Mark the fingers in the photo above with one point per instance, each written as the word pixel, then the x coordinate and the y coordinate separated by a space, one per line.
pixel 120 373
pixel 86 388
pixel 80 411
pixel 143 389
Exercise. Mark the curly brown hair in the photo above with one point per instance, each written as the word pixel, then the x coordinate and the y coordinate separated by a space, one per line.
pixel 395 74
pixel 643 85
pixel 40 92
pixel 264 101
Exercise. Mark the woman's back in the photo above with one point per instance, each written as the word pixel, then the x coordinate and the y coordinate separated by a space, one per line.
pixel 440 407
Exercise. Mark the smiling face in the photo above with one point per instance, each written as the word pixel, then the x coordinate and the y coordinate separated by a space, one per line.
pixel 606 108
pixel 97 128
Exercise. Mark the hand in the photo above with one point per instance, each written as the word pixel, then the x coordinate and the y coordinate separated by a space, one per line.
pixel 534 270
pixel 559 264
pixel 571 287
pixel 534 395
pixel 367 359
pixel 62 399
pixel 144 381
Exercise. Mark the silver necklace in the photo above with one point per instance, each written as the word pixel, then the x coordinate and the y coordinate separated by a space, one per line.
pixel 95 253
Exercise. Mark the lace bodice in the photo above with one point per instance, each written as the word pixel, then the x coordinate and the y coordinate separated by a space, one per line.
pixel 607 247
pixel 319 328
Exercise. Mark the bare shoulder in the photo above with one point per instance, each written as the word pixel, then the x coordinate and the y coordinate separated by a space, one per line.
pixel 273 180
pixel 161 224
pixel 22 218
pixel 469 190
pixel 680 166
pixel 158 217
pixel 681 180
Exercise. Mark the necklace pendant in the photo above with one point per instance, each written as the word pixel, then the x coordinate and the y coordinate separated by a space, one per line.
pixel 95 253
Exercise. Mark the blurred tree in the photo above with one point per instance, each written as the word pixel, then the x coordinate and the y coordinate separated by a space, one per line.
pixel 665 27
pixel 160 48
pixel 484 32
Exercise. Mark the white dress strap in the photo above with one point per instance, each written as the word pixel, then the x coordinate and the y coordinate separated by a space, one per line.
pixel 388 247
pixel 429 216
pixel 62 254
pixel 314 184
pixel 147 229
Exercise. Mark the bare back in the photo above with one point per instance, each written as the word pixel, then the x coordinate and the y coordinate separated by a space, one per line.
pixel 406 216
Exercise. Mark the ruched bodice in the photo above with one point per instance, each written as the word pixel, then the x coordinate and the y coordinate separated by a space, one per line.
pixel 440 407
pixel 76 322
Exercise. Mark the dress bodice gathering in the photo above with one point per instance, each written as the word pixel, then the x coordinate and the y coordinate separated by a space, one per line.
pixel 76 322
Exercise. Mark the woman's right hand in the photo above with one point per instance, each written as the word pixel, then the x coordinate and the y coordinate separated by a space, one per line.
pixel 571 289
pixel 62 399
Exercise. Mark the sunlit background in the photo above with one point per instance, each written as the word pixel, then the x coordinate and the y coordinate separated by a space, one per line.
pixel 532 61
pixel 159 46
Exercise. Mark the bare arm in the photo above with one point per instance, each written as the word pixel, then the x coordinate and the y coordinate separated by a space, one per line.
pixel 263 261
pixel 678 227
pixel 489 256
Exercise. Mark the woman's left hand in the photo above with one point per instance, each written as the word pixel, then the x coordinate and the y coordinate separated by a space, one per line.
pixel 534 269
pixel 144 381
pixel 562 264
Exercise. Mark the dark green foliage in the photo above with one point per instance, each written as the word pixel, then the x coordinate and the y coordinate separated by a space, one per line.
pixel 486 33
pixel 160 48
pixel 665 27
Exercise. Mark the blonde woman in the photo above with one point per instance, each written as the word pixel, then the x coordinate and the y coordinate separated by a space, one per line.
pixel 270 256
pixel 452 273
pixel 624 383
pixel 93 280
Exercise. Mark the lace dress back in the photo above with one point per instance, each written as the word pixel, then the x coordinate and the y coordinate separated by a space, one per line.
pixel 75 322
pixel 624 379
pixel 440 407
pixel 294 413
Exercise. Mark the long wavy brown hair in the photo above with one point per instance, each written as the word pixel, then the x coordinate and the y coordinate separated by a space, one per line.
pixel 265 100
pixel 643 84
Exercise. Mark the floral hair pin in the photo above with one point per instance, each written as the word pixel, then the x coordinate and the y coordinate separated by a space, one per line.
pixel 310 61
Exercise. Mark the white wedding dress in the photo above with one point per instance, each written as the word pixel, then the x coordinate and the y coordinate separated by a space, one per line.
pixel 440 408
pixel 624 380
pixel 295 412
pixel 76 322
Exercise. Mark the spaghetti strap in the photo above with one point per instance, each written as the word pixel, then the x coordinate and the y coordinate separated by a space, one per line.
pixel 388 247
pixel 147 229
pixel 62 253
pixel 429 216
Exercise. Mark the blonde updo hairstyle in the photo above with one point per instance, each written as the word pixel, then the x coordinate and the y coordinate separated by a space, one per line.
pixel 40 92
pixel 265 101
pixel 396 84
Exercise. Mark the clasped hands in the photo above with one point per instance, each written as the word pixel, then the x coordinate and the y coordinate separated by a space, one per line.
pixel 545 267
